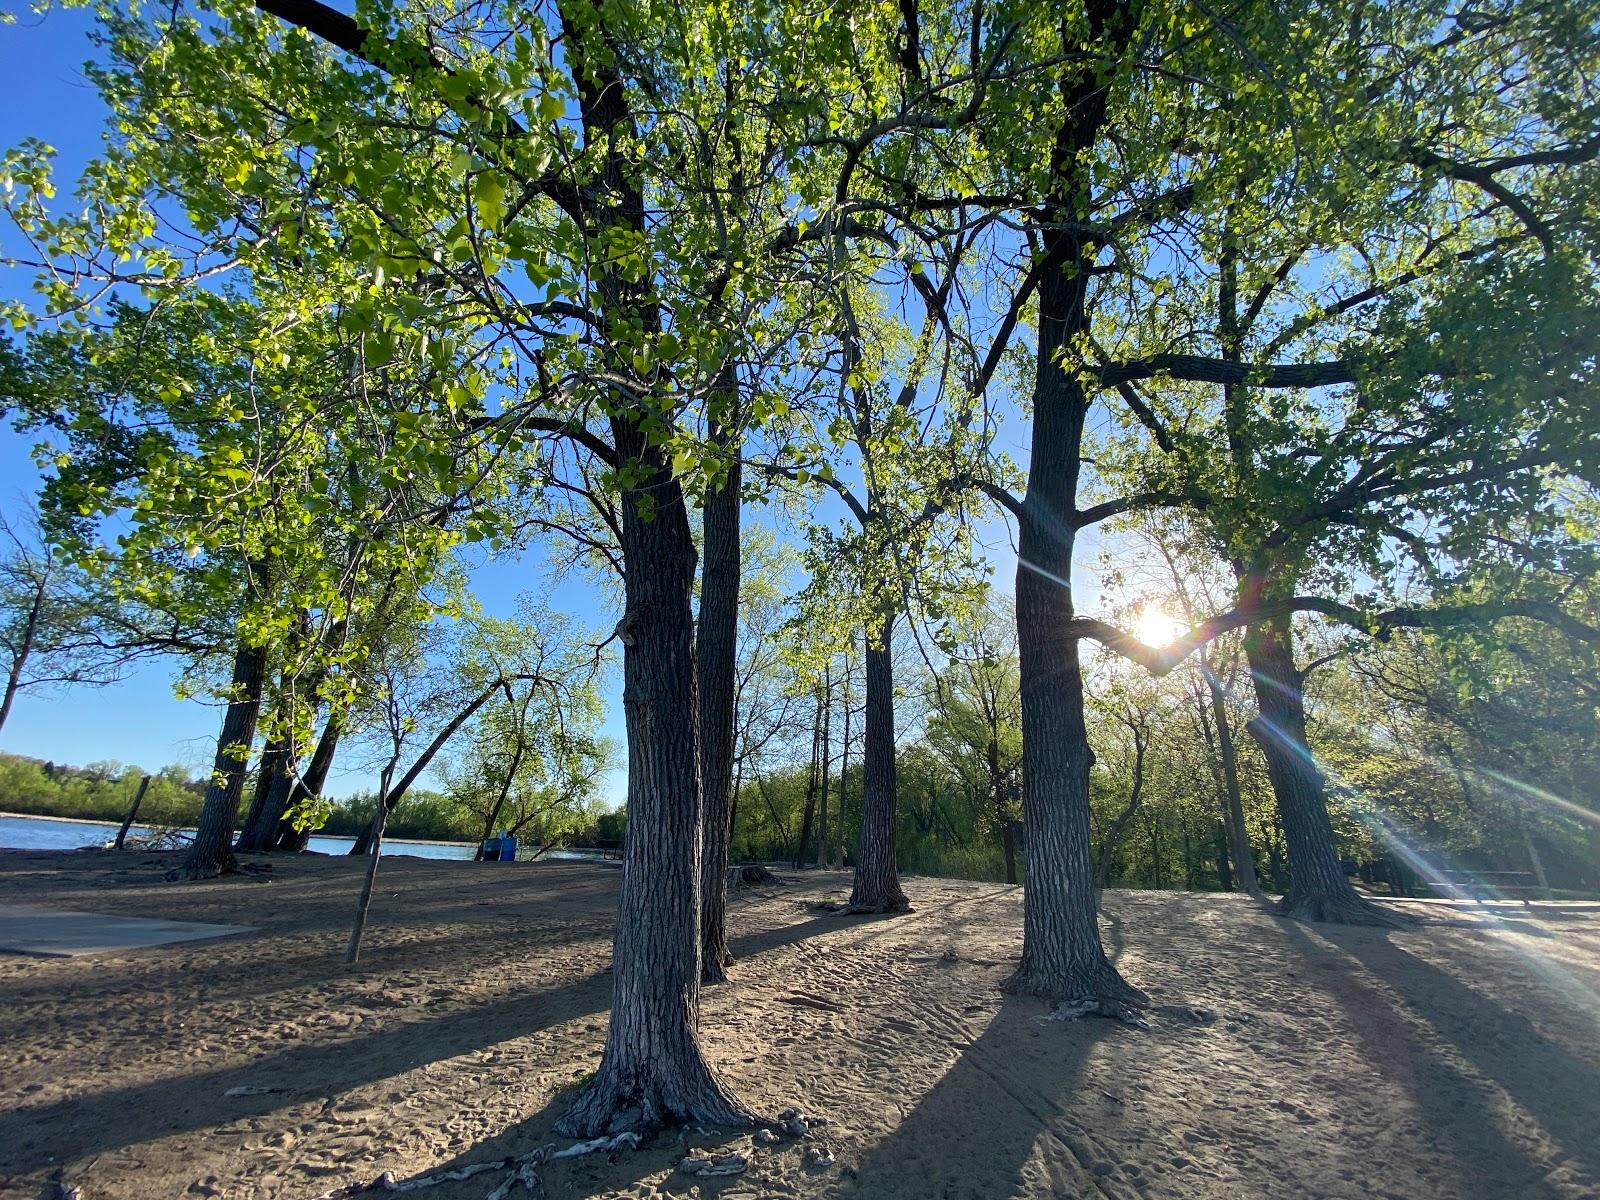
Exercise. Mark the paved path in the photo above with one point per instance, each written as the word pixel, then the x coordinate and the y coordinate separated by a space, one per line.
pixel 50 932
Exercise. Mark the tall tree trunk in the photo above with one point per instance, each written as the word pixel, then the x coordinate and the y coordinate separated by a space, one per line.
pixel 653 1071
pixel 716 651
pixel 1244 863
pixel 809 812
pixel 210 853
pixel 1062 958
pixel 997 789
pixel 877 879
pixel 1113 836
pixel 1319 890
pixel 844 772
pixel 826 761
pixel 256 832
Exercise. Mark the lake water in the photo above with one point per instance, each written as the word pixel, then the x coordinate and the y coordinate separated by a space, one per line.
pixel 35 833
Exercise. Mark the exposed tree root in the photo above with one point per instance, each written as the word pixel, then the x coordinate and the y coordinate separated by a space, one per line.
pixel 1342 910
pixel 522 1164
pixel 876 910
pixel 1090 991
pixel 229 866
pixel 617 1102
pixel 191 874
pixel 892 901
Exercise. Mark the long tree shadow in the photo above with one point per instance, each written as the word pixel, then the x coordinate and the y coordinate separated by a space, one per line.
pixel 88 1125
pixel 1454 1104
pixel 85 1126
pixel 1554 1085
pixel 984 1130
pixel 999 1122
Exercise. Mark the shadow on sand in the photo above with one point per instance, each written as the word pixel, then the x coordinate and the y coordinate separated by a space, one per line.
pixel 1450 1041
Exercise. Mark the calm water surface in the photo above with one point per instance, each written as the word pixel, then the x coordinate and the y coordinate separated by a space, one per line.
pixel 35 833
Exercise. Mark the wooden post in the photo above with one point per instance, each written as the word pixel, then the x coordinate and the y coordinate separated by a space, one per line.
pixel 133 811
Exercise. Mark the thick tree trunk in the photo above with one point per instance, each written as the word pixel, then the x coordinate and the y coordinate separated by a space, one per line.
pixel 1062 958
pixel 210 853
pixel 653 1071
pixel 1319 890
pixel 877 879
pixel 716 650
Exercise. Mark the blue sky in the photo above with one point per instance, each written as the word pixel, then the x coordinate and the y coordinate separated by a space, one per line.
pixel 139 721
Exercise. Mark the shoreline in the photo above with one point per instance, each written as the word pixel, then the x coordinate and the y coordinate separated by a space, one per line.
pixel 190 829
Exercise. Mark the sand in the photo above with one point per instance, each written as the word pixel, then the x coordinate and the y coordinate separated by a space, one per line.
pixel 1457 1059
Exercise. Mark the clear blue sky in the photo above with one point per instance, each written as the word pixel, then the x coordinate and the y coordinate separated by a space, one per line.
pixel 139 721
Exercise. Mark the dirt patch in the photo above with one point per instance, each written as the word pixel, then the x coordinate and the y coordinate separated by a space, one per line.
pixel 1460 1059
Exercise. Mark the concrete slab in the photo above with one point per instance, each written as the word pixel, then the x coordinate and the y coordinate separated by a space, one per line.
pixel 50 932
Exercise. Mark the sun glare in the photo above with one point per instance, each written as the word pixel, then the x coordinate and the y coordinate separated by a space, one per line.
pixel 1157 628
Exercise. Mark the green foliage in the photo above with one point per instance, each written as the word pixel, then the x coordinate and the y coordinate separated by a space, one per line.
pixel 98 792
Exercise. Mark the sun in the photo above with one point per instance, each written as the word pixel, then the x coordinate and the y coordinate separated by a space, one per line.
pixel 1156 627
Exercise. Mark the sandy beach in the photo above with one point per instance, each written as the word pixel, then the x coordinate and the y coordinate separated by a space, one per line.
pixel 1460 1059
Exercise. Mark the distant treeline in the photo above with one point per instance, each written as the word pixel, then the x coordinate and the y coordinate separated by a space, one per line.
pixel 102 791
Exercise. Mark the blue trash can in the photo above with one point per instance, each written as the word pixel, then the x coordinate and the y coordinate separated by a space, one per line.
pixel 508 849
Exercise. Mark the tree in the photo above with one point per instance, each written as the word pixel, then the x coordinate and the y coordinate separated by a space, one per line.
pixel 975 724
pixel 1430 296
pixel 533 760
pixel 51 634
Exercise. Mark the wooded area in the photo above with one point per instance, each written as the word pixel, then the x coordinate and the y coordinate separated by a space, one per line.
pixel 1263 339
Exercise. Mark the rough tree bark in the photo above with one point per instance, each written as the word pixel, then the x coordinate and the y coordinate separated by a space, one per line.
pixel 653 1071
pixel 877 878
pixel 1062 958
pixel 716 649
pixel 210 853
pixel 1319 890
